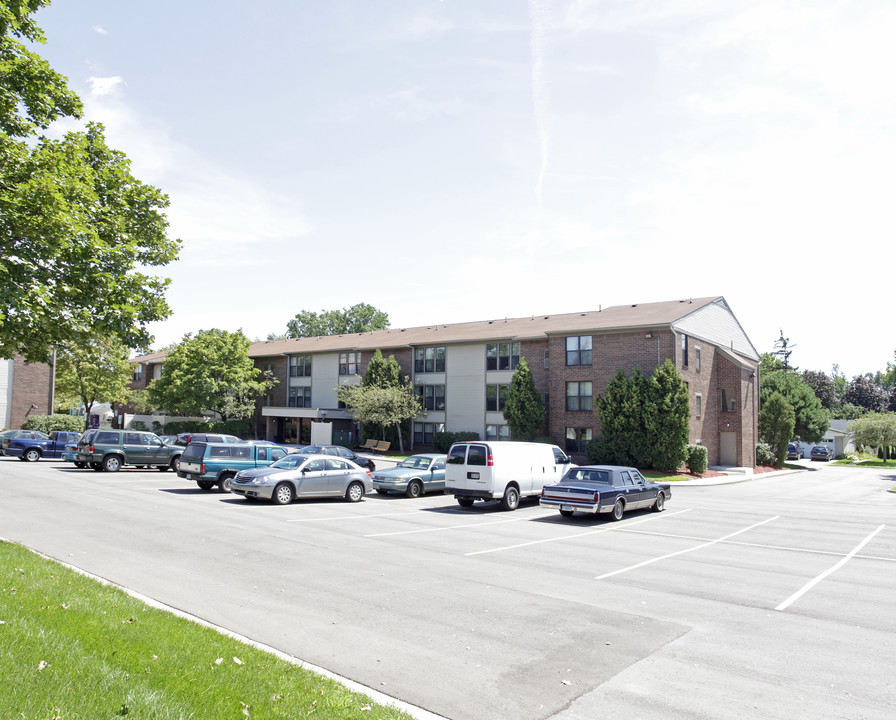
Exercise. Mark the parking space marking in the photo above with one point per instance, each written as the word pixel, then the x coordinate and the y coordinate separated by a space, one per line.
pixel 453 527
pixel 585 533
pixel 682 552
pixel 812 583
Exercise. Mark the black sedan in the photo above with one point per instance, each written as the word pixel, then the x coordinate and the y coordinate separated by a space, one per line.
pixel 341 451
pixel 821 452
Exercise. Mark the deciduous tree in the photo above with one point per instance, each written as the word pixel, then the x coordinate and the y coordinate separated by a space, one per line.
pixel 876 430
pixel 356 319
pixel 383 406
pixel 776 424
pixel 811 419
pixel 210 372
pixel 94 371
pixel 77 230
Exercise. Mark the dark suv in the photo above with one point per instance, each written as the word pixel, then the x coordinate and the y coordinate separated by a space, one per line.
pixel 340 451
pixel 110 449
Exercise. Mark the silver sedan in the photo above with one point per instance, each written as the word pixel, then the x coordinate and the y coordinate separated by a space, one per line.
pixel 303 476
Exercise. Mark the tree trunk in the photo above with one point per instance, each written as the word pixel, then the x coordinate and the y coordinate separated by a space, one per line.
pixel 400 438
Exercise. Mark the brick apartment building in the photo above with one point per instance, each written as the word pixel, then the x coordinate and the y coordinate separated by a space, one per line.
pixel 25 389
pixel 463 371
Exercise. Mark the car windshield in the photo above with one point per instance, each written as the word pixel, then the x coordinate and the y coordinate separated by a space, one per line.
pixel 310 450
pixel 415 461
pixel 289 461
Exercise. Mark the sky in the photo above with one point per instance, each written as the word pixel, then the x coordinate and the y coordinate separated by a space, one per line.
pixel 459 160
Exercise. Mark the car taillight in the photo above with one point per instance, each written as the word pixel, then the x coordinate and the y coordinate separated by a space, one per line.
pixel 202 469
pixel 542 492
pixel 597 497
pixel 90 449
pixel 491 460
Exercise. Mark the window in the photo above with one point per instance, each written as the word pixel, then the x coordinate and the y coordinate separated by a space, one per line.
pixel 729 401
pixel 578 396
pixel 577 439
pixel 497 432
pixel 427 360
pixel 697 362
pixel 684 350
pixel 300 366
pixel 138 373
pixel 477 455
pixel 699 404
pixel 432 396
pixel 349 362
pixel 502 356
pixel 578 350
pixel 300 397
pixel 425 432
pixel 496 397
pixel 132 438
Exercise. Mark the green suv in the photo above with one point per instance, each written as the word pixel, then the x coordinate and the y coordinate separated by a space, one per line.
pixel 110 449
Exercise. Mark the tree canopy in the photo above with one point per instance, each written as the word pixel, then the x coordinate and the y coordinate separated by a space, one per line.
pixel 524 408
pixel 776 424
pixel 876 430
pixel 811 419
pixel 91 372
pixel 77 229
pixel 356 319
pixel 210 372
pixel 383 406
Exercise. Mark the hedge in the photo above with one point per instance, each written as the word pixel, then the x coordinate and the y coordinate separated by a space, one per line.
pixel 442 441
pixel 49 423
pixel 697 459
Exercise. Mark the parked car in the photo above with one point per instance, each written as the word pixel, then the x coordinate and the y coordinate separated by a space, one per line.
pixel 303 476
pixel 794 452
pixel 210 464
pixel 186 438
pixel 32 449
pixel 168 439
pixel 821 452
pixel 8 435
pixel 413 476
pixel 502 470
pixel 604 489
pixel 339 450
pixel 110 449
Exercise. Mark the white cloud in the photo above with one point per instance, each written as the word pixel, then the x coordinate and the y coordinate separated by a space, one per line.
pixel 100 86
pixel 99 30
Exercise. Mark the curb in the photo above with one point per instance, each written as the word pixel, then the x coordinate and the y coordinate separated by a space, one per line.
pixel 733 479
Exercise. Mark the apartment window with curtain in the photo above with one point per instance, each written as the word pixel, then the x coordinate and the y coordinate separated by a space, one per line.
pixel 431 359
pixel 578 397
pixel 432 396
pixel 300 366
pixel 578 350
pixel 299 397
pixel 577 439
pixel 349 362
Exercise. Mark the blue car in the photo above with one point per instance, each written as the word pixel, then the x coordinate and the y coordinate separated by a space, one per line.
pixel 413 476
pixel 821 452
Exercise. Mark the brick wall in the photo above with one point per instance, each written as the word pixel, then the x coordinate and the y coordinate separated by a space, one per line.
pixel 32 384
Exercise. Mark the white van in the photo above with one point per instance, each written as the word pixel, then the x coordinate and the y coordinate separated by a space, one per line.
pixel 502 470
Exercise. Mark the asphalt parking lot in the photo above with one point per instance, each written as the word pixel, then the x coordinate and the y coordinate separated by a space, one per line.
pixel 773 596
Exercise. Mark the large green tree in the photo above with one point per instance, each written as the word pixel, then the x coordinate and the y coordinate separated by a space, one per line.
pixel 383 372
pixel 90 372
pixel 524 408
pixel 623 419
pixel 668 418
pixel 356 319
pixel 876 430
pixel 77 230
pixel 811 420
pixel 210 372
pixel 382 406
pixel 776 424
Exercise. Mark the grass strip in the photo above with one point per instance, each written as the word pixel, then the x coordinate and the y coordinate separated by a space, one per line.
pixel 72 648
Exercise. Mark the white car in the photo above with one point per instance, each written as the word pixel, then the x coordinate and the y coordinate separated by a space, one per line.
pixel 303 476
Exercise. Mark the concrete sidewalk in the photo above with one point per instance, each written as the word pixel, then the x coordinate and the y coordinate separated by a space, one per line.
pixel 734 475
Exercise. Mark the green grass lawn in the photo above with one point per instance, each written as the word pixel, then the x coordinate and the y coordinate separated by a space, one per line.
pixel 72 648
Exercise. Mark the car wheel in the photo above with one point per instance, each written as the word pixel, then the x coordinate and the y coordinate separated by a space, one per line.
pixel 162 468
pixel 415 489
pixel 511 499
pixel 205 484
pixel 464 501
pixel 283 494
pixel 566 513
pixel 618 510
pixel 112 463
pixel 96 466
pixel 354 492
pixel 79 464
pixel 31 455
pixel 660 503
pixel 224 482
pixel 175 463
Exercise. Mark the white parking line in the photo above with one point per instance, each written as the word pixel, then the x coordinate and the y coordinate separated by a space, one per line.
pixel 812 583
pixel 682 552
pixel 577 535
